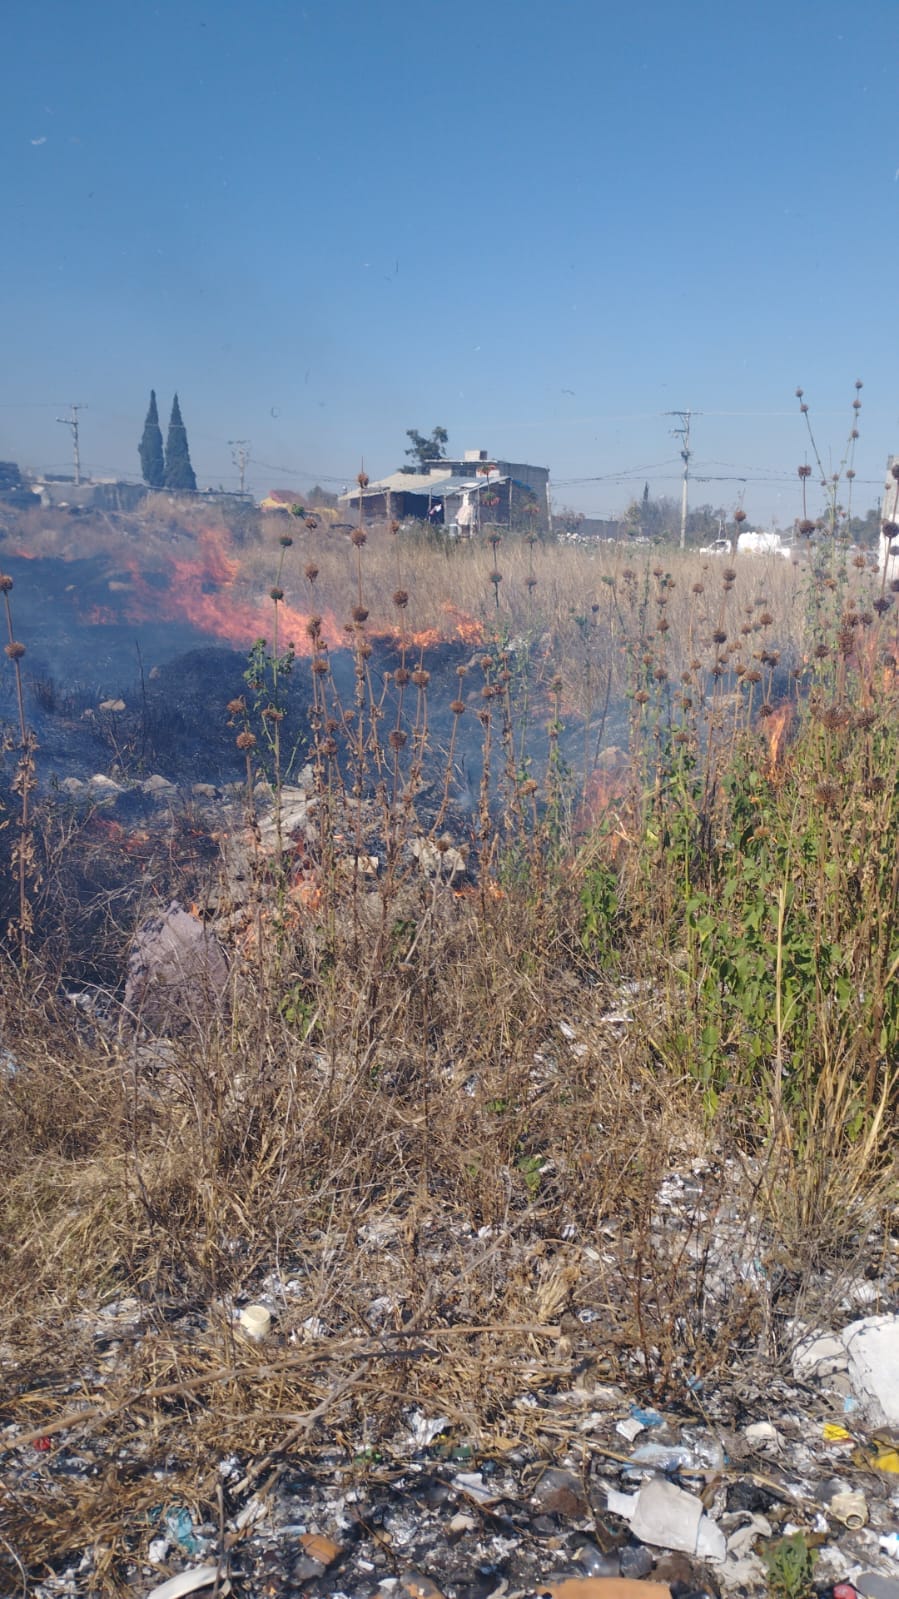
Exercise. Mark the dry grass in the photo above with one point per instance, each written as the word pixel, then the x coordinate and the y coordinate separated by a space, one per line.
pixel 418 1122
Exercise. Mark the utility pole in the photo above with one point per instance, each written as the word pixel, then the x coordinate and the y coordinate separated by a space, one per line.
pixel 71 421
pixel 683 433
pixel 240 455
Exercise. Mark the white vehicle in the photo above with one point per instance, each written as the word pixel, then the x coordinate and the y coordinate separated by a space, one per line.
pixel 763 544
pixel 717 547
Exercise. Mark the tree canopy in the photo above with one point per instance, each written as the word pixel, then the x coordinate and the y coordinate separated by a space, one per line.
pixel 152 464
pixel 179 474
pixel 425 450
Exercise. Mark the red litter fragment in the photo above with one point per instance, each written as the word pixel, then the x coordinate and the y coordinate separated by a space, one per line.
pixel 844 1590
pixel 43 1444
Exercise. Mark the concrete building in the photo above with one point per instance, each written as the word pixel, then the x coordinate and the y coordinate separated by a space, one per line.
pixel 464 494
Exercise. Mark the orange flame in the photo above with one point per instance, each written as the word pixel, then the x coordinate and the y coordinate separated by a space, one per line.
pixel 468 629
pixel 200 589
pixel 775 729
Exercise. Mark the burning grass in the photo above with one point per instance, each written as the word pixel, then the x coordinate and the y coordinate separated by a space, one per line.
pixel 462 1047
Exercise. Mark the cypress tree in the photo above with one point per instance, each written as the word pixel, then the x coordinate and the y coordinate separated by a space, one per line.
pixel 151 462
pixel 179 474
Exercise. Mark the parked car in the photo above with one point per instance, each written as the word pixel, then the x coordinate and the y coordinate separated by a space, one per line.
pixel 717 547
pixel 763 544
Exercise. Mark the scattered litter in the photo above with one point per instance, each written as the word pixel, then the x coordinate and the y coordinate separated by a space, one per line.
pixel 630 1428
pixel 256 1322
pixel 850 1508
pixel 189 1582
pixel 872 1346
pixel 668 1517
pixel 764 1435
pixel 647 1418
pixel 605 1588
pixel 424 1429
pixel 819 1355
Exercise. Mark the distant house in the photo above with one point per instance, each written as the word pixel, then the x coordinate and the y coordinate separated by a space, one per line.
pixel 280 500
pixel 464 493
pixel 888 560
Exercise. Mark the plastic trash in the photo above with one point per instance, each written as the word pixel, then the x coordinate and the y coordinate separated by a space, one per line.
pixel 179 1523
pixel 873 1349
pixel 256 1322
pixel 665 1457
pixel 703 1456
pixel 668 1517
pixel 605 1588
pixel 189 1581
pixel 851 1508
pixel 647 1418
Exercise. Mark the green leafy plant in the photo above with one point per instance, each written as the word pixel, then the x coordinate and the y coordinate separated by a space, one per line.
pixel 790 1564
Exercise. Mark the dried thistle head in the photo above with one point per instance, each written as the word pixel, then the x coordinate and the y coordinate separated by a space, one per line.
pixel 420 677
pixel 362 479
pixel 360 614
pixel 14 651
pixel 457 707
pixel 6 583
pixel 402 676
pixel 358 537
pixel 276 594
pixel 285 541
pixel 246 740
pixel 400 598
pixel 396 738
pixel 236 707
pixel 314 626
pixel 310 571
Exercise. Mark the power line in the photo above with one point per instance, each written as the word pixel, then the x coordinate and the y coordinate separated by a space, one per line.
pixel 683 433
pixel 71 421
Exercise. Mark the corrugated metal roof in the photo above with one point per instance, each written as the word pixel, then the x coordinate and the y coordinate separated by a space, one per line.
pixel 425 483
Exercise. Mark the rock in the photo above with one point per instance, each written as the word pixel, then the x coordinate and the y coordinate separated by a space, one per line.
pixel 412 1585
pixel 745 1495
pixel 560 1493
pixel 874 1585
pixel 176 970
pixel 319 1548
pixel 872 1346
pixel 157 785
pixel 818 1354
pixel 764 1435
pixel 676 1568
pixel 635 1560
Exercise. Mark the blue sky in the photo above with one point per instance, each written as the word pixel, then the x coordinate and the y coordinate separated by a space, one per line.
pixel 540 225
